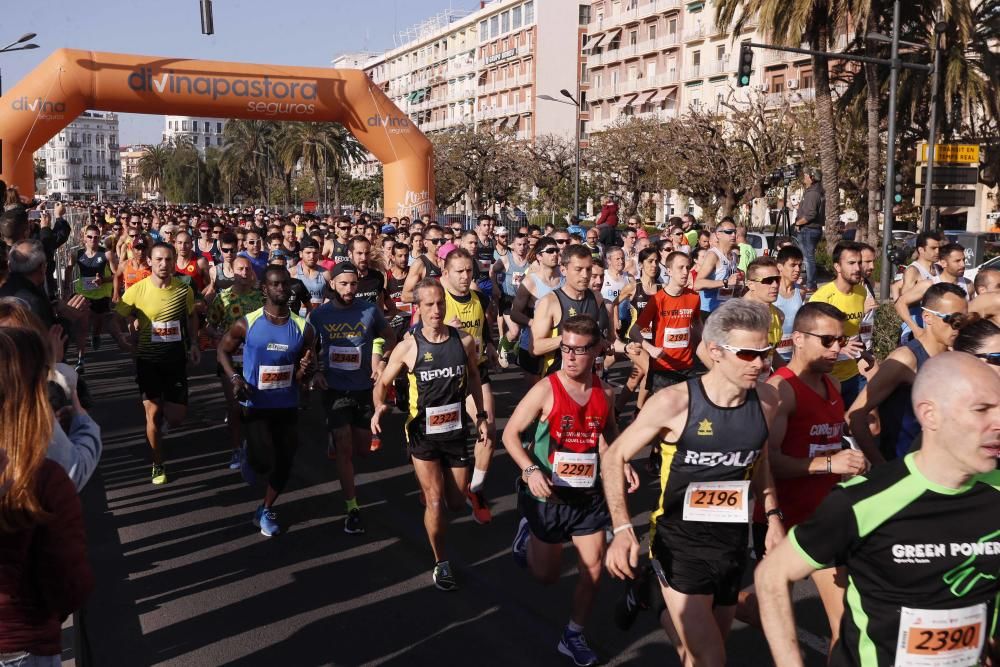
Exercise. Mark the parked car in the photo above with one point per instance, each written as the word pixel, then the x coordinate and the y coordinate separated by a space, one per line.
pixel 993 263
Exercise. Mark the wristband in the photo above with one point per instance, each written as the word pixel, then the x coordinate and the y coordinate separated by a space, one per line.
pixel 624 526
pixel 378 345
pixel 829 464
pixel 775 512
pixel 482 414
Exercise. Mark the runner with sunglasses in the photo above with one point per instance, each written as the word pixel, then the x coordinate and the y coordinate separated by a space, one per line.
pixel 233 302
pixel 90 273
pixel 714 430
pixel 340 252
pixel 791 295
pixel 426 265
pixel 135 267
pixel 808 459
pixel 222 276
pixel 951 262
pixel 916 537
pixel 717 275
pixel 559 496
pixel 847 293
pixel 981 339
pixel 255 253
pixel 763 283
pixel 945 311
pixel 544 277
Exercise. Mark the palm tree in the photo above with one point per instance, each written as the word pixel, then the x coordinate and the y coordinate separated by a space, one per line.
pixel 789 23
pixel 152 164
pixel 249 150
pixel 322 147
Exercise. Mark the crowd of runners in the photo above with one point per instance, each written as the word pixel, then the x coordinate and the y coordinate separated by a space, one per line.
pixel 779 442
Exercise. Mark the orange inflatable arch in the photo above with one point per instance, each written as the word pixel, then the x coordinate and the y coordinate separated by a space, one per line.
pixel 69 82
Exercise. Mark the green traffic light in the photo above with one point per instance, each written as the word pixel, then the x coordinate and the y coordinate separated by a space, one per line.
pixel 899 199
pixel 745 80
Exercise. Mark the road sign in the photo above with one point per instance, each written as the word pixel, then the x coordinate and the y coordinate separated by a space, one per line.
pixel 950 175
pixel 949 198
pixel 952 153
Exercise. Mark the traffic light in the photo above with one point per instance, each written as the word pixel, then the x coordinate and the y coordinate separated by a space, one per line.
pixel 898 198
pixel 745 66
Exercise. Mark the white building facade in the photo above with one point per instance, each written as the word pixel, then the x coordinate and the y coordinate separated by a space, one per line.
pixel 82 161
pixel 203 133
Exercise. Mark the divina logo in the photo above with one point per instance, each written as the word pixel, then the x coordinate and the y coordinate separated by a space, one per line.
pixel 24 104
pixel 216 87
pixel 392 125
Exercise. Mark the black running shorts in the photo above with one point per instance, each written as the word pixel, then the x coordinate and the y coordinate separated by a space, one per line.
pixel 720 578
pixel 452 453
pixel 160 381
pixel 348 408
pixel 555 523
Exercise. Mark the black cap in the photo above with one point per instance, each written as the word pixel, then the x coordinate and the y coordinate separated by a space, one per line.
pixel 344 267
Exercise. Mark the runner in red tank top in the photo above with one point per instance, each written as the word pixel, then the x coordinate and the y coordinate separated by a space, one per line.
pixel 808 459
pixel 560 494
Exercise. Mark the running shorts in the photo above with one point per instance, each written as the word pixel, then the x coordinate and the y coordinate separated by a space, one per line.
pixel 162 381
pixel 555 523
pixel 348 408
pixel 452 453
pixel 721 578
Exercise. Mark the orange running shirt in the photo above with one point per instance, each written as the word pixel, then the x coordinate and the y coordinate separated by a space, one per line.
pixel 670 319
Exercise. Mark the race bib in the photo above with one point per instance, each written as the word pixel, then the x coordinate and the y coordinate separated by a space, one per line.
pixel 516 278
pixel 274 377
pixel 866 332
pixel 676 338
pixel 725 293
pixel 784 346
pixel 575 470
pixel 824 449
pixel 165 332
pixel 345 358
pixel 941 637
pixel 646 333
pixel 91 282
pixel 444 419
pixel 717 502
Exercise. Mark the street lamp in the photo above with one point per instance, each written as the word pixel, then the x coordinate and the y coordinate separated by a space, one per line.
pixel 576 179
pixel 13 46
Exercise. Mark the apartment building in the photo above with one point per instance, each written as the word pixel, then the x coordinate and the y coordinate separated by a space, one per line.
pixel 489 66
pixel 660 58
pixel 203 133
pixel 82 161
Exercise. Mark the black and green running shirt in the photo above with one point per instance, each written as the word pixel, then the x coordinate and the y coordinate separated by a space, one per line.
pixel 923 565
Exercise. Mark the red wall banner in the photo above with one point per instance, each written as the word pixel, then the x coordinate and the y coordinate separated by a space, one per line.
pixel 69 82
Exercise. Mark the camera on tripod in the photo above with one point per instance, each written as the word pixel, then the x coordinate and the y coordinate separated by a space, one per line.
pixel 785 174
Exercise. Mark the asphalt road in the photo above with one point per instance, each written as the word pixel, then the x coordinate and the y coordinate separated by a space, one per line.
pixel 183 578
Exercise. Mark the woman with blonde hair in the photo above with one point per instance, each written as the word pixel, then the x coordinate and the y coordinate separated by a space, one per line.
pixel 44 572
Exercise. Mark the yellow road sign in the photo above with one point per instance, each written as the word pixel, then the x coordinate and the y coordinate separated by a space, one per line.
pixel 952 153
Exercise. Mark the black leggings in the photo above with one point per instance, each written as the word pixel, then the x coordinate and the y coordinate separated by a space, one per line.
pixel 272 438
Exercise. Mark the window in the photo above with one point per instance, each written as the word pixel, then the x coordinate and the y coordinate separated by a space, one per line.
pixel 696 58
pixel 652 31
pixel 505 22
pixel 778 83
pixel 584 14
pixel 529 13
pixel 633 37
pixel 494 26
pixel 720 53
pixel 184 125
pixel 218 128
pixel 484 33
pixel 207 142
pixel 207 127
pixel 218 141
pixel 806 79
pixel 672 27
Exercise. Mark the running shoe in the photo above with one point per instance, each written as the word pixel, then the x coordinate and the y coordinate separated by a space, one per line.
pixel 444 580
pixel 480 509
pixel 520 547
pixel 267 521
pixel 159 475
pixel 635 599
pixel 574 645
pixel 246 470
pixel 376 442
pixel 235 461
pixel 354 524
pixel 80 367
pixel 502 357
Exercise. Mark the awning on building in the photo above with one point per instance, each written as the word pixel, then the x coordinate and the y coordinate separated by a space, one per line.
pixel 661 94
pixel 613 35
pixel 626 101
pixel 596 42
pixel 644 98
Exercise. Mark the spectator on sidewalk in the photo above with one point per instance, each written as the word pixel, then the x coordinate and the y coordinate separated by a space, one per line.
pixel 809 221
pixel 44 572
pixel 76 438
pixel 607 221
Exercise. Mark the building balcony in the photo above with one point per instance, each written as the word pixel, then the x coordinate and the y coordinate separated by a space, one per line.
pixel 501 111
pixel 694 33
pixel 523 135
pixel 792 97
pixel 75 144
pixel 665 78
pixel 76 160
pixel 634 13
pixel 693 72
pixel 667 41
pixel 659 114
pixel 717 67
pixel 504 84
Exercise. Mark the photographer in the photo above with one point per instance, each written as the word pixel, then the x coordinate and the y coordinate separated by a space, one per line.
pixel 809 221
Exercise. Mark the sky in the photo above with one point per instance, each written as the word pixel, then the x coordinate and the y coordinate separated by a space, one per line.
pixel 282 32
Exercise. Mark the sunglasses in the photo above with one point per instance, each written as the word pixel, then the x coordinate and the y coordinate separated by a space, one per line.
pixel 992 358
pixel 827 340
pixel 549 251
pixel 227 250
pixel 562 241
pixel 954 320
pixel 92 237
pixel 203 230
pixel 344 229
pixel 748 353
pixel 678 234
pixel 768 280
pixel 435 241
pixel 726 231
pixel 575 351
